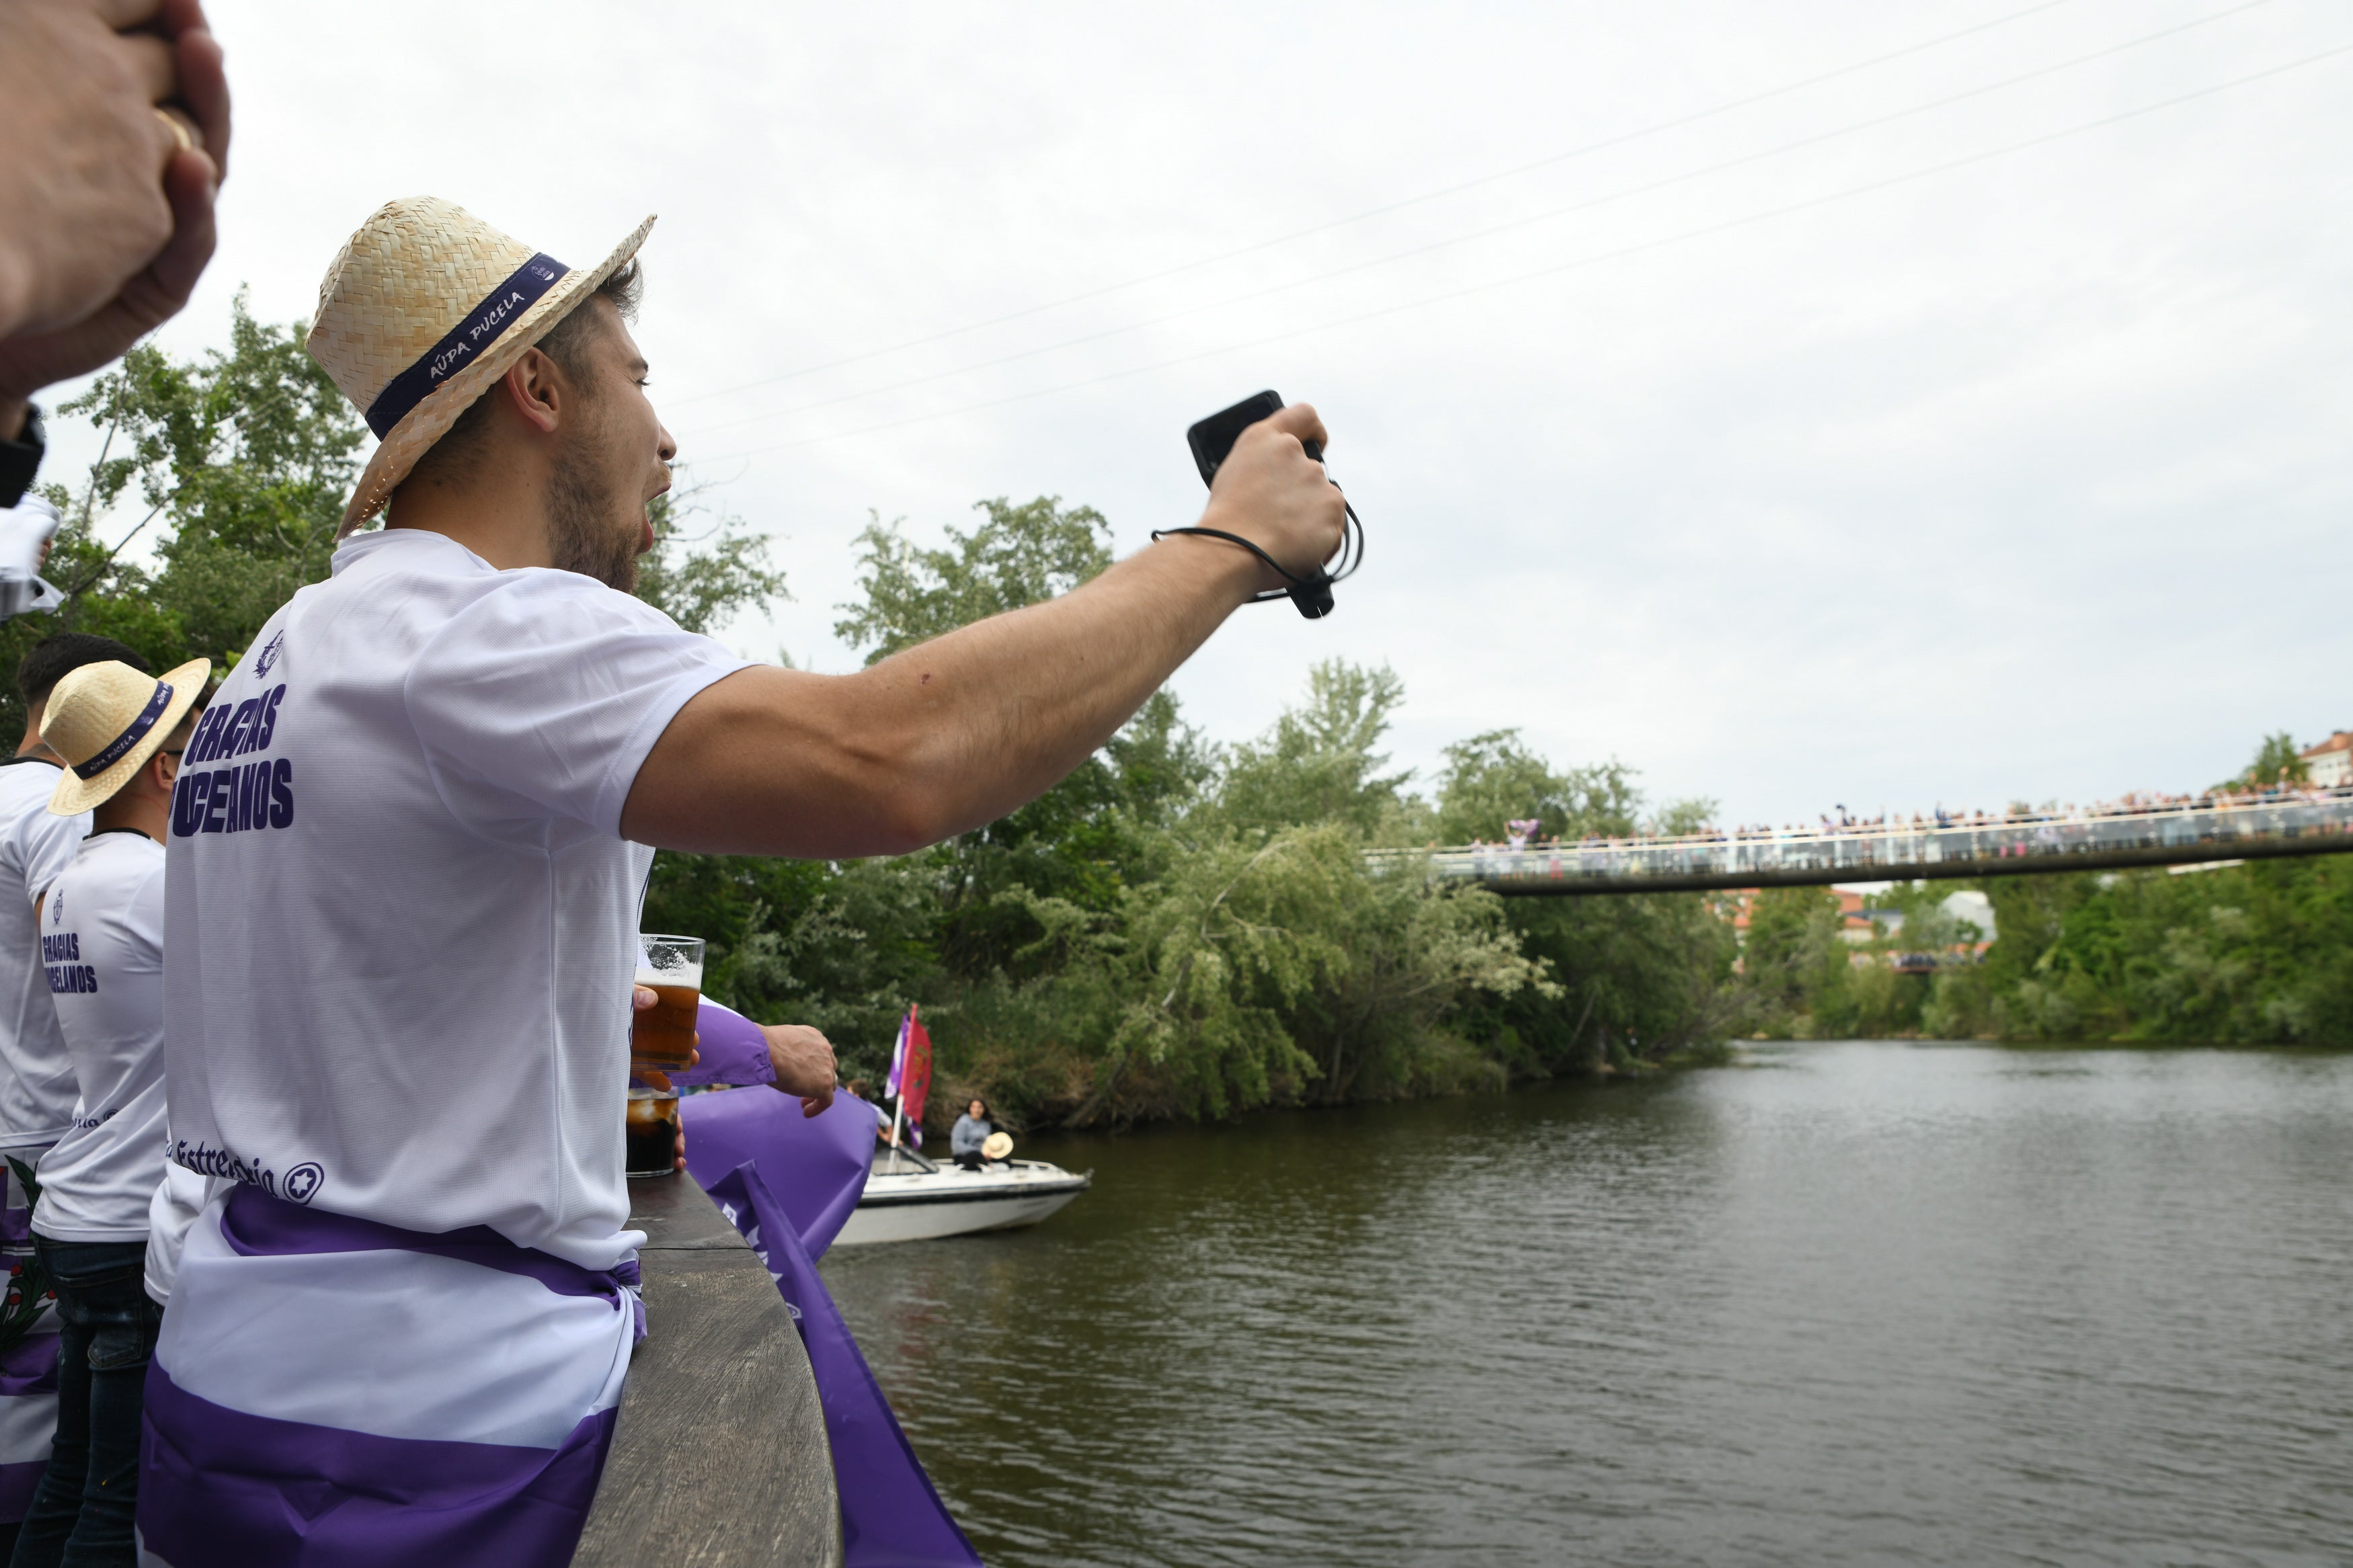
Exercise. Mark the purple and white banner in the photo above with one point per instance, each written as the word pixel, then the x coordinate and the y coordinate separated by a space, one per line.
pixel 789 1184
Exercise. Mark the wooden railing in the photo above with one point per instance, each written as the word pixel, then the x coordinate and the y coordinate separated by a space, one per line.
pixel 720 1459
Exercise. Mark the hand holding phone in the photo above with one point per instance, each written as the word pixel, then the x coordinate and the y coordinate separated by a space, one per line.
pixel 1212 440
pixel 1214 437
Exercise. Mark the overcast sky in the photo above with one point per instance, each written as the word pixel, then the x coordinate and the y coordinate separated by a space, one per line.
pixel 1842 445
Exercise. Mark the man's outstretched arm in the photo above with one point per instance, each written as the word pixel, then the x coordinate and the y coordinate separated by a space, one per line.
pixel 963 729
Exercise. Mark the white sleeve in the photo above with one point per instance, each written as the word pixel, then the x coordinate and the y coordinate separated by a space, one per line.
pixel 544 697
pixel 49 843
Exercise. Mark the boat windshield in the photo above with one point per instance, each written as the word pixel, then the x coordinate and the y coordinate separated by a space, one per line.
pixel 908 1163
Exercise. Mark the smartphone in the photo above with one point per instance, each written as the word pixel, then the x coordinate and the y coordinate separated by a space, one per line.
pixel 1215 436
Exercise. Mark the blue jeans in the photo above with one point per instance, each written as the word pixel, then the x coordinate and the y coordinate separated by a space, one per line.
pixel 80 1517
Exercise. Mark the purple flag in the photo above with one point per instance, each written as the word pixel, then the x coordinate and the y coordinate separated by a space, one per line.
pixel 732 1047
pixel 814 1166
pixel 891 1515
pixel 898 1056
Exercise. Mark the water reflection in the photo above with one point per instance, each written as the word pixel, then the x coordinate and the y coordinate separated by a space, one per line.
pixel 1887 1303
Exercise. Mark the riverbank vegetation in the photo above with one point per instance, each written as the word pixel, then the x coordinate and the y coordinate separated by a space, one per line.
pixel 1186 926
pixel 2259 954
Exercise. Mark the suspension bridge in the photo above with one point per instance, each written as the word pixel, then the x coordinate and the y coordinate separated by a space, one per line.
pixel 2312 823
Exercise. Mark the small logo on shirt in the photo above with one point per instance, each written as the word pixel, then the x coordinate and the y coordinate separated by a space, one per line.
pixel 271 652
pixel 302 1181
pixel 299 1185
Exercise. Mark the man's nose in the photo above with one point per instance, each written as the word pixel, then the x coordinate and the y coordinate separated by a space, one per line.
pixel 668 447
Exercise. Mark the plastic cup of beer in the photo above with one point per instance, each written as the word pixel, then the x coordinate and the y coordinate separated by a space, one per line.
pixel 662 1036
pixel 650 1140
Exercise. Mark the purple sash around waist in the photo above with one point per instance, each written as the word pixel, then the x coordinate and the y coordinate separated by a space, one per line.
pixel 246 1487
pixel 258 1224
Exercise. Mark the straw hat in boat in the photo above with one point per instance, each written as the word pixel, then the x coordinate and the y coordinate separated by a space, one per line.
pixel 424 308
pixel 997 1145
pixel 106 719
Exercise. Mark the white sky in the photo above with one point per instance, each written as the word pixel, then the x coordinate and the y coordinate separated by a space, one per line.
pixel 2024 479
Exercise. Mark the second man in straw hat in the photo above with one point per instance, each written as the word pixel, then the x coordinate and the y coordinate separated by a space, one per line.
pixel 119 733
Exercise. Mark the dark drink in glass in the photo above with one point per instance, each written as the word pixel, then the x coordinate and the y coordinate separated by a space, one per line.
pixel 650 1140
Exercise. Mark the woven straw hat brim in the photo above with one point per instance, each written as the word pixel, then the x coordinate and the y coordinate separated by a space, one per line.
pixel 997 1145
pixel 76 794
pixel 430 420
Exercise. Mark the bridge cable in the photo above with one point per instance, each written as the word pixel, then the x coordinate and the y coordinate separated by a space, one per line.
pixel 1399 206
pixel 1555 269
pixel 1487 233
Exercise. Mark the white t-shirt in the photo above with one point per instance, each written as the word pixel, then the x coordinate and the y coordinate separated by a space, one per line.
pixel 36 1079
pixel 102 946
pixel 401 929
pixel 180 1197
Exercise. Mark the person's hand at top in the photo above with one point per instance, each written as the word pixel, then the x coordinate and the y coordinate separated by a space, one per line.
pixel 805 1064
pixel 114 116
pixel 1271 493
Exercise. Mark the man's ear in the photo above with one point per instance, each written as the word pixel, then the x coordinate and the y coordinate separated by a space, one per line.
pixel 535 388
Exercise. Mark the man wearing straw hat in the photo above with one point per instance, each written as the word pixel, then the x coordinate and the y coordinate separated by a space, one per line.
pixel 120 733
pixel 37 1091
pixel 407 850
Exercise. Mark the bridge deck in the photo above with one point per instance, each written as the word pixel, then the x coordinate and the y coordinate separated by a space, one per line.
pixel 2316 824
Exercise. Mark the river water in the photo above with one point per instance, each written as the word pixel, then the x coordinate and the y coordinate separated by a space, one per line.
pixel 1851 1303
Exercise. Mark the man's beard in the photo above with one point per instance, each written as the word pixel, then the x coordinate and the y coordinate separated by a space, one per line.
pixel 585 533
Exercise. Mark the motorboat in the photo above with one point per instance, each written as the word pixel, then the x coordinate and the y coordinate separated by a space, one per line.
pixel 911 1199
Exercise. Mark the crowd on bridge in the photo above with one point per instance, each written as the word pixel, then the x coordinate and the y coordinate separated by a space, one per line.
pixel 1521 834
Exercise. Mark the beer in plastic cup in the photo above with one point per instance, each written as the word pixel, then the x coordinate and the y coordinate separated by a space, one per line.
pixel 671 968
pixel 650 1140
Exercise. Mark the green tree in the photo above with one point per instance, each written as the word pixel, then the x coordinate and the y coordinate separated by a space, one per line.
pixel 239 463
pixel 1019 556
pixel 1493 779
pixel 1642 977
pixel 1079 842
pixel 1794 964
pixel 701 589
pixel 2278 762
pixel 1319 763
pixel 1283 967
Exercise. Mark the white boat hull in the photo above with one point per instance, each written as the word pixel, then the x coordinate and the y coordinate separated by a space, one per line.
pixel 947 1201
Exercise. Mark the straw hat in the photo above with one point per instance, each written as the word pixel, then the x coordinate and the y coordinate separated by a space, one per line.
pixel 106 719
pixel 997 1145
pixel 422 309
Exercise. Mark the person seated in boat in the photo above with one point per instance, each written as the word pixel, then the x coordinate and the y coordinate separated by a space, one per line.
pixel 970 1132
pixel 860 1090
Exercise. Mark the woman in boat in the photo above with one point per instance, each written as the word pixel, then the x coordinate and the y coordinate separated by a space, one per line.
pixel 970 1132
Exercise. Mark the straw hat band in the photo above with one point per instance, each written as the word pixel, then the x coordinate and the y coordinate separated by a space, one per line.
pixel 500 309
pixel 114 751
pixel 84 725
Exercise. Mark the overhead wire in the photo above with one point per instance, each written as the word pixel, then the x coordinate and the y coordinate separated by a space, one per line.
pixel 1586 150
pixel 1783 149
pixel 1555 269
